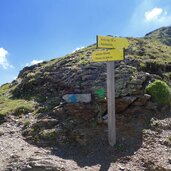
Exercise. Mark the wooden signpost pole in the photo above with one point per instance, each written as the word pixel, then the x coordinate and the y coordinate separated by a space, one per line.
pixel 111 102
pixel 112 50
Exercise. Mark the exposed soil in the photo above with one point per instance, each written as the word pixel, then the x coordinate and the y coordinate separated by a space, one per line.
pixel 143 143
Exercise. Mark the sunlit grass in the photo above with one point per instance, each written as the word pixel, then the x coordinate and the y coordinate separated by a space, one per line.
pixel 13 106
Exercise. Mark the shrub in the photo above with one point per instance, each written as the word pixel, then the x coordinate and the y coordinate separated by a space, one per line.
pixel 23 109
pixel 26 123
pixel 160 92
pixel 48 134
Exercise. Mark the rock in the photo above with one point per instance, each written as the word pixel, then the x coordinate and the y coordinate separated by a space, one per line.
pixel 136 81
pixel 142 100
pixel 28 167
pixel 45 123
pixel 82 111
pixel 105 119
pixel 58 110
pixel 2 119
pixel 40 164
pixel 169 160
pixel 151 106
pixel 79 136
pixel 49 163
pixel 76 98
pixel 123 103
pixel 121 168
pixel 1 133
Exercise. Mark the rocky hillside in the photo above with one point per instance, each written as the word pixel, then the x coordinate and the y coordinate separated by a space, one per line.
pixel 61 103
pixel 76 73
pixel 162 35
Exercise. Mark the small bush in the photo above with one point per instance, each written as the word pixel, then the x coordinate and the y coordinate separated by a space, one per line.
pixel 26 123
pixel 48 134
pixel 160 92
pixel 19 110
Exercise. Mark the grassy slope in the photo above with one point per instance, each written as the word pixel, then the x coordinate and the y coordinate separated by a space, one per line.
pixel 149 50
pixel 13 106
pixel 162 35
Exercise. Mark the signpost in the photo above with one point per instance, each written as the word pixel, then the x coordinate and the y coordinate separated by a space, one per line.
pixel 111 103
pixel 111 42
pixel 115 52
pixel 108 55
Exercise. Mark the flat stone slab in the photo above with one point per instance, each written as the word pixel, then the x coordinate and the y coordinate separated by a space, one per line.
pixel 76 98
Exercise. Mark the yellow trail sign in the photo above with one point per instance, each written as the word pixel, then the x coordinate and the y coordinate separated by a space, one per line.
pixel 108 55
pixel 111 42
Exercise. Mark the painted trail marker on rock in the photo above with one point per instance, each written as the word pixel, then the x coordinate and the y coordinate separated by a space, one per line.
pixel 115 52
pixel 76 98
pixel 100 93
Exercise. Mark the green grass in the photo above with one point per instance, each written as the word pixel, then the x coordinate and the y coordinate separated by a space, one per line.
pixel 13 106
pixel 162 35
pixel 149 50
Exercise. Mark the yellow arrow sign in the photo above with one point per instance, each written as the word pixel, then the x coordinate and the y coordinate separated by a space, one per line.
pixel 108 55
pixel 111 42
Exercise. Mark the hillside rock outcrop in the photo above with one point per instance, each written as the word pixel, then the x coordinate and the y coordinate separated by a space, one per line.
pixel 71 121
pixel 63 80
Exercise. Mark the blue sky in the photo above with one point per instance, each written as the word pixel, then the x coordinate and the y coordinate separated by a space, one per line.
pixel 36 30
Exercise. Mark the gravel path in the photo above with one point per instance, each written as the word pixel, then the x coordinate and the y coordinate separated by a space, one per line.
pixel 154 152
pixel 16 154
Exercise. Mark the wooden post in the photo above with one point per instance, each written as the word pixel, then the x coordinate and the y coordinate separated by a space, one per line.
pixel 111 103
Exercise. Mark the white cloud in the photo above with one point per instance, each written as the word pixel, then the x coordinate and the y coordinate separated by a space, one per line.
pixel 147 16
pixel 3 59
pixel 78 48
pixel 33 62
pixel 154 14
pixel 15 77
pixel 158 17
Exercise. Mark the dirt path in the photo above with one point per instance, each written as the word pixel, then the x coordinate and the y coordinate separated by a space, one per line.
pixel 13 149
pixel 16 154
pixel 153 153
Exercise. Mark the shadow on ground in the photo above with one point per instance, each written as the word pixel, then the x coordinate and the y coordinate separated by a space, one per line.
pixel 98 152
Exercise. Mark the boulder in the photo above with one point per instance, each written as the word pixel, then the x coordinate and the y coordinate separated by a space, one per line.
pixel 123 103
pixel 140 101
